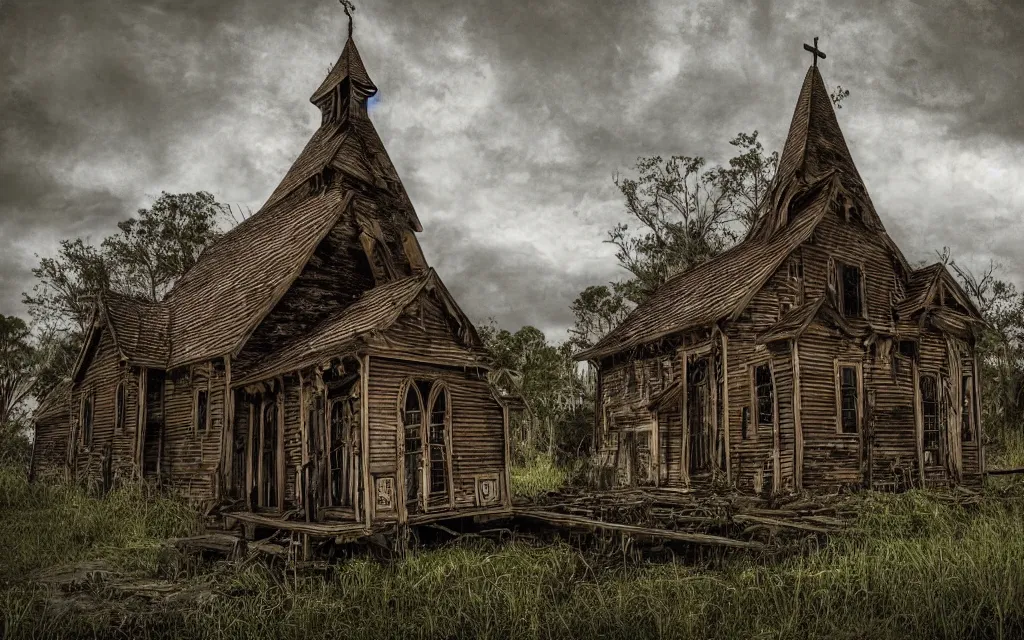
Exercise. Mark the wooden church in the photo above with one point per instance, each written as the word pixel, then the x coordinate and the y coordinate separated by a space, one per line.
pixel 311 367
pixel 811 355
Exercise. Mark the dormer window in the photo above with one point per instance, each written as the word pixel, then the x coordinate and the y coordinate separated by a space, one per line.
pixel 851 290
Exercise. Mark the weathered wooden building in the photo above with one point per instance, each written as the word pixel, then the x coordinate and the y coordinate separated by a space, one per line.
pixel 811 355
pixel 310 367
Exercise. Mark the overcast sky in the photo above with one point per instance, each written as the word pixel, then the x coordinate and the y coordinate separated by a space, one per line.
pixel 506 120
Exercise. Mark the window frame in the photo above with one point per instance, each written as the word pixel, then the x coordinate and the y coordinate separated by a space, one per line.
pixel 937 400
pixel 85 435
pixel 196 431
pixel 755 425
pixel 862 291
pixel 967 409
pixel 838 365
pixel 120 407
pixel 410 385
pixel 437 389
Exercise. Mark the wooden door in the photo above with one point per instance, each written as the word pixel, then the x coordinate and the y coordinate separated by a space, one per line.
pixel 152 444
pixel 698 396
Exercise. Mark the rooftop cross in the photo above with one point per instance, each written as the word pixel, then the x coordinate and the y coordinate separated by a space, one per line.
pixel 349 8
pixel 818 53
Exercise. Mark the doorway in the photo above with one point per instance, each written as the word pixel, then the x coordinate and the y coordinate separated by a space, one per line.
pixel 698 395
pixel 152 444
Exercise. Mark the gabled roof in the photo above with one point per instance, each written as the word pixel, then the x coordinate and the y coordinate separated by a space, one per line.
pixel 140 328
pixel 375 311
pixel 718 288
pixel 794 323
pixel 55 404
pixel 240 277
pixel 923 286
pixel 212 309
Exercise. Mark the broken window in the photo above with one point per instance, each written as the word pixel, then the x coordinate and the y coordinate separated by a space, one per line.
pixel 764 395
pixel 120 407
pixel 438 437
pixel 908 349
pixel 967 411
pixel 931 418
pixel 849 411
pixel 850 294
pixel 339 458
pixel 412 424
pixel 86 418
pixel 202 410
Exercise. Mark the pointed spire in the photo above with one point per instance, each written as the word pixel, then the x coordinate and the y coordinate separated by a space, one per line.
pixel 349 66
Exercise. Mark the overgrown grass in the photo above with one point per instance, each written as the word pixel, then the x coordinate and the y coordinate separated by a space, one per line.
pixel 537 476
pixel 915 566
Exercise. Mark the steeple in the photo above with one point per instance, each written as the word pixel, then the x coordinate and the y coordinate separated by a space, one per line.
pixel 815 148
pixel 345 90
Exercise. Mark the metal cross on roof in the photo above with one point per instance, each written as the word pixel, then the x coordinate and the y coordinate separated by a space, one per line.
pixel 818 53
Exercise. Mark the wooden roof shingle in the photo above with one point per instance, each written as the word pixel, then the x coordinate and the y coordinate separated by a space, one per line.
pixel 717 288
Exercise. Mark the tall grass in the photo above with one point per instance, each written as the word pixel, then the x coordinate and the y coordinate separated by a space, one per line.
pixel 914 566
pixel 537 476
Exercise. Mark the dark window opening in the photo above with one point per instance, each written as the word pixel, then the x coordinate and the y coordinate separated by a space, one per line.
pixel 796 269
pixel 630 379
pixel 931 419
pixel 745 423
pixel 87 420
pixel 967 411
pixel 202 410
pixel 698 396
pixel 848 400
pixel 437 434
pixel 412 423
pixel 120 408
pixel 908 349
pixel 851 285
pixel 765 395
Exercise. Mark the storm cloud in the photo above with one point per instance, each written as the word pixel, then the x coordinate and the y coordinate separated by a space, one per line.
pixel 506 120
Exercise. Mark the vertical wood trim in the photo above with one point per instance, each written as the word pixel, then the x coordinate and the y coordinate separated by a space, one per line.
pixel 259 458
pixel 279 471
pixel 725 407
pixel 713 388
pixel 140 435
pixel 507 480
pixel 655 447
pixel 918 422
pixel 776 426
pixel 227 440
pixel 364 454
pixel 798 454
pixel 976 383
pixel 684 449
pixel 400 489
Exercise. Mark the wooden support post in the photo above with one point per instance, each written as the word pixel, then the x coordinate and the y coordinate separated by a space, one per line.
pixel 798 461
pixel 227 441
pixel 725 407
pixel 776 426
pixel 280 470
pixel 918 422
pixel 979 434
pixel 140 436
pixel 684 449
pixel 506 496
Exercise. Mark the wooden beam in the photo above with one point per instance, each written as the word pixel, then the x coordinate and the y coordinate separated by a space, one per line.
pixel 979 434
pixel 279 471
pixel 684 449
pixel 566 520
pixel 776 427
pixel 227 451
pixel 918 421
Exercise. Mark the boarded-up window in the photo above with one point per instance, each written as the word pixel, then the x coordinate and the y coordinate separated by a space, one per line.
pixel 86 418
pixel 202 411
pixel 850 285
pixel 120 408
pixel 931 418
pixel 849 411
pixel 765 395
pixel 967 411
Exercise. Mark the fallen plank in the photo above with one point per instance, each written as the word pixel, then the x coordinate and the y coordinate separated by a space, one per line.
pixel 782 524
pixel 325 529
pixel 644 532
pixel 228 545
pixel 1004 472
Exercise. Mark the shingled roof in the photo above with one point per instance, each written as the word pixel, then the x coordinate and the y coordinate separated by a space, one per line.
pixel 374 311
pixel 213 308
pixel 717 288
pixel 55 404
